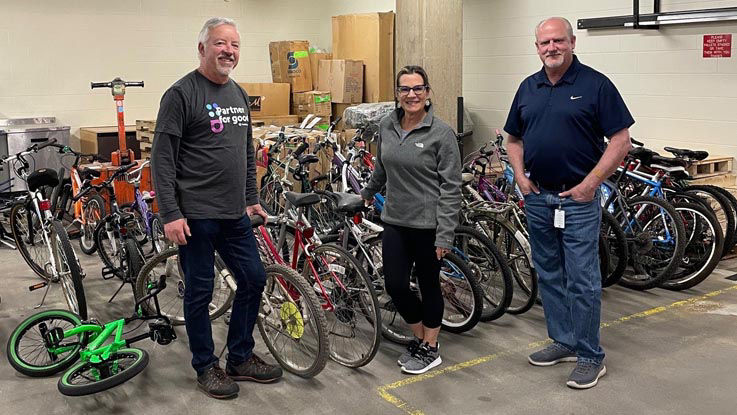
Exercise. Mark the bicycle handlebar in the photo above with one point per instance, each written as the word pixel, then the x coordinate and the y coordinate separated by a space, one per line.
pixel 637 143
pixel 87 186
pixel 301 149
pixel 94 85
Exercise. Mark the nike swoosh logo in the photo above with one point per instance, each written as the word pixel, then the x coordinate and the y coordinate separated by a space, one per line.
pixel 572 97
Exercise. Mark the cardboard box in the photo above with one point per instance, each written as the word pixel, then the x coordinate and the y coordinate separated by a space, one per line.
pixel 277 120
pixel 312 102
pixel 290 62
pixel 338 110
pixel 370 38
pixel 267 99
pixel 315 59
pixel 343 78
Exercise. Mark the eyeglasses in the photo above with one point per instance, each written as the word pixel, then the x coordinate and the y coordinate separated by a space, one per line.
pixel 418 89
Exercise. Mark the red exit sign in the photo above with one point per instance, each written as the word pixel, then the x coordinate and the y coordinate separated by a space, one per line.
pixel 718 46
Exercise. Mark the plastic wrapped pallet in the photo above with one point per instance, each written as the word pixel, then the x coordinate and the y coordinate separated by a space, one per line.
pixel 367 116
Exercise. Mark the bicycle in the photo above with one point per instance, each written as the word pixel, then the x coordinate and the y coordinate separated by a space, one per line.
pixel 116 243
pixel 343 287
pixel 148 224
pixel 94 357
pixel 290 318
pixel 42 239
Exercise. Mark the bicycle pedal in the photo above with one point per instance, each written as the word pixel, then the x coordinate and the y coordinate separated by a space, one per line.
pixel 108 273
pixel 40 285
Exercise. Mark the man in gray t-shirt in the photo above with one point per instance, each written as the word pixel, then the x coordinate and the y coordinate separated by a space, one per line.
pixel 205 178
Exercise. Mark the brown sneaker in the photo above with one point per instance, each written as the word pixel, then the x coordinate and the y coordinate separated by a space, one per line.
pixel 255 370
pixel 216 384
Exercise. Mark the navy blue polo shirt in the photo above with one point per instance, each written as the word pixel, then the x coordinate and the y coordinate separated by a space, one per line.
pixel 563 125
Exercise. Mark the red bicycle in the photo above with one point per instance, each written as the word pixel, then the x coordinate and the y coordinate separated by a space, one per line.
pixel 343 287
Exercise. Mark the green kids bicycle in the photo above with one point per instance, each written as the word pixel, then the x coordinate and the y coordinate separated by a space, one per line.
pixel 94 356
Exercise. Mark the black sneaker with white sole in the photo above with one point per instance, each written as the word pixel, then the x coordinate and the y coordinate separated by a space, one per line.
pixel 586 375
pixel 412 347
pixel 425 358
pixel 216 384
pixel 551 355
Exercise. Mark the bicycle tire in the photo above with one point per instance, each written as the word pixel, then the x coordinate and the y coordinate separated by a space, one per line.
pixel 643 277
pixel 324 216
pixel 67 386
pixel 171 299
pixel 496 276
pixel 133 261
pixel 294 327
pixel 331 261
pixel 393 326
pixel 21 336
pixel 617 245
pixel 692 273
pixel 69 270
pixel 158 237
pixel 733 204
pixel 722 207
pixel 33 252
pixel 514 247
pixel 469 306
pixel 105 251
pixel 93 210
pixel 137 228
pixel 270 196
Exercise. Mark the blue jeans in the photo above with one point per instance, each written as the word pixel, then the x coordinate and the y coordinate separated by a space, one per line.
pixel 567 265
pixel 234 241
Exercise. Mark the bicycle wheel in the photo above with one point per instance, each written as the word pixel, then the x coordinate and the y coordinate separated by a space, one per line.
pixel 271 198
pixel 733 205
pixel 133 260
pixel 158 238
pixel 354 321
pixel 292 323
pixel 138 227
pixel 93 210
pixel 515 249
pixel 616 244
pixel 393 326
pixel 86 378
pixel 462 296
pixel 171 299
pixel 324 216
pixel 656 238
pixel 703 247
pixel 29 354
pixel 109 248
pixel 723 210
pixel 29 239
pixel 490 269
pixel 68 268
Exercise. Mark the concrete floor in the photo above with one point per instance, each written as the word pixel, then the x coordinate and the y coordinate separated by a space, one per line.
pixel 667 353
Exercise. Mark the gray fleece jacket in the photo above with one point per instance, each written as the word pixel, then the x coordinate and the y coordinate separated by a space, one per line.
pixel 422 173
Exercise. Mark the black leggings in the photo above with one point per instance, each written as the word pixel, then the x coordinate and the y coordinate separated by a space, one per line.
pixel 401 248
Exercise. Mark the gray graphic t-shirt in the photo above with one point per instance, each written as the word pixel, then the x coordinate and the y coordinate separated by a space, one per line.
pixel 204 128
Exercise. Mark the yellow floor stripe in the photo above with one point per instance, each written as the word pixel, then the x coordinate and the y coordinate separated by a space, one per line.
pixel 407 408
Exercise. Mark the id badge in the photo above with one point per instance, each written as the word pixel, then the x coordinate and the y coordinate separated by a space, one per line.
pixel 559 220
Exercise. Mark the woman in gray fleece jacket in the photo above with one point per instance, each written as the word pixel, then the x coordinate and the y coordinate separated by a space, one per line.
pixel 419 162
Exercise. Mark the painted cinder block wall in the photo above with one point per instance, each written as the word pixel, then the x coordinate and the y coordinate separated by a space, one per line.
pixel 677 97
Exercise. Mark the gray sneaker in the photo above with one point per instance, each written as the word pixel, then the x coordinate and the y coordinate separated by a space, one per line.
pixel 553 354
pixel 586 375
pixel 412 347
pixel 424 359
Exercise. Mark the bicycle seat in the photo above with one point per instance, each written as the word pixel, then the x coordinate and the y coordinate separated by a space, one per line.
pixel 643 154
pixel 307 159
pixel 349 203
pixel 42 177
pixel 467 178
pixel 691 154
pixel 302 199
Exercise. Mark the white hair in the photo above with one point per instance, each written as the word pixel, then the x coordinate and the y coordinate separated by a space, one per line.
pixel 569 28
pixel 204 35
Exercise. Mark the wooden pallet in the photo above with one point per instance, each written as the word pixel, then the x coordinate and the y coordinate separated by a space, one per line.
pixel 728 180
pixel 711 166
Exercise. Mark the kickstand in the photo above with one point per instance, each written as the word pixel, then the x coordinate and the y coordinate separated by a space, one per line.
pixel 116 292
pixel 46 291
pixel 6 240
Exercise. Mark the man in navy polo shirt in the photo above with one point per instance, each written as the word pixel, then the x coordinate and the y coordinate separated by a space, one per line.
pixel 556 126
